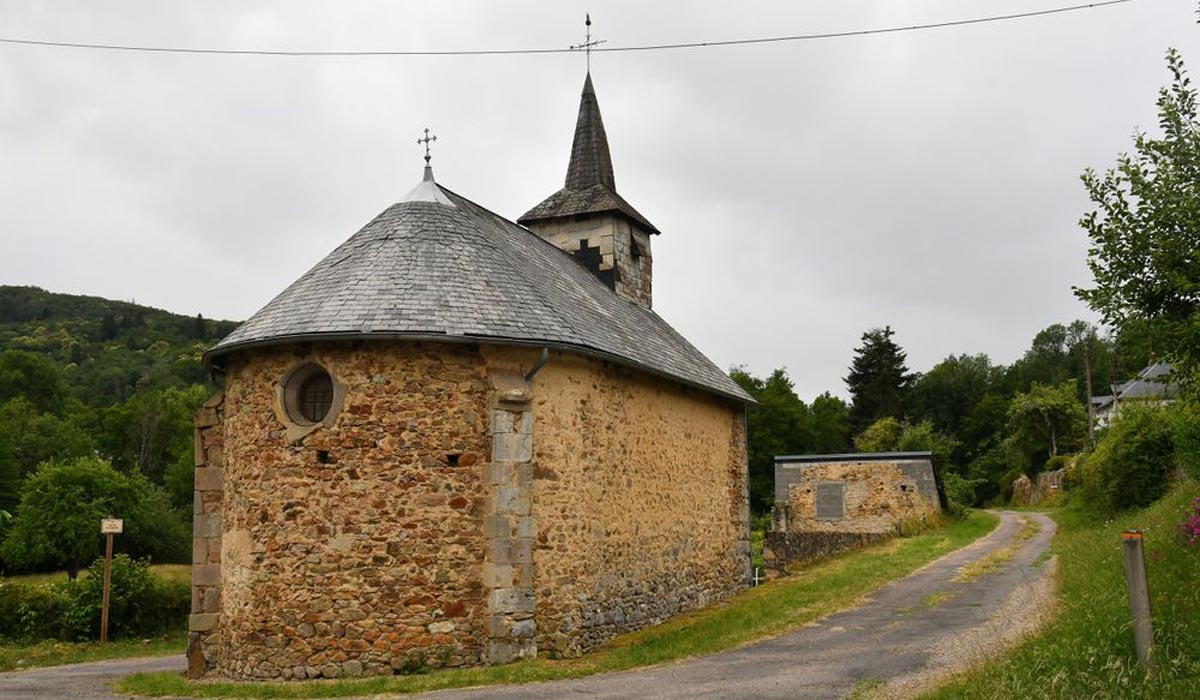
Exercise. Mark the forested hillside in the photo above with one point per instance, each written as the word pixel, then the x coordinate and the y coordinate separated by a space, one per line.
pixel 84 377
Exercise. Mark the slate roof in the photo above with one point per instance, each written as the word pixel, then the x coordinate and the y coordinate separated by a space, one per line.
pixel 590 187
pixel 438 266
pixel 1153 382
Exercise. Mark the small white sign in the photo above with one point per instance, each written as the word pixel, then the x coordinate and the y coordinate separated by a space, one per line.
pixel 111 526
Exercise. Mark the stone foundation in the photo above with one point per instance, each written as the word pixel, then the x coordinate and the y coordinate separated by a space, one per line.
pixel 784 549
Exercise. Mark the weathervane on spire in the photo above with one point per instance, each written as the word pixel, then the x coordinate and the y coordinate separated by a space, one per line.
pixel 588 43
pixel 427 140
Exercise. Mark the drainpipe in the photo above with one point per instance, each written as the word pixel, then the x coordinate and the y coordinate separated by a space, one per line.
pixel 537 366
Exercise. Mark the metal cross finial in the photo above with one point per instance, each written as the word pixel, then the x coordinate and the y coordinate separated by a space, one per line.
pixel 427 140
pixel 588 43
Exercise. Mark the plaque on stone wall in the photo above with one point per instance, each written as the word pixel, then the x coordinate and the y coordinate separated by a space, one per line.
pixel 831 500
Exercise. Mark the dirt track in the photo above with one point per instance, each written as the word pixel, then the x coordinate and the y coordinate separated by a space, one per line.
pixel 905 634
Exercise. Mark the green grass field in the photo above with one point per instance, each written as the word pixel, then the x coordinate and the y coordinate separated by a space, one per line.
pixel 1087 652
pixel 172 573
pixel 766 611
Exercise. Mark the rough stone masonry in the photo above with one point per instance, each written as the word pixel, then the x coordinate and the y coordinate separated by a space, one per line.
pixel 830 503
pixel 454 514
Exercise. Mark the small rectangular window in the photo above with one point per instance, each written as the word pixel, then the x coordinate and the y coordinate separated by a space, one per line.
pixel 831 500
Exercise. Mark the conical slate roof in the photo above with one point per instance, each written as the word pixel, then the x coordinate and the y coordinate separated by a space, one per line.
pixel 438 266
pixel 590 185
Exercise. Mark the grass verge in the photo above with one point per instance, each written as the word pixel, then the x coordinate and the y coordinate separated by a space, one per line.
pixel 769 610
pixel 1087 652
pixel 15 657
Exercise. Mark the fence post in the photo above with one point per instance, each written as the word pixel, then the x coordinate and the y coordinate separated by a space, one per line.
pixel 1139 596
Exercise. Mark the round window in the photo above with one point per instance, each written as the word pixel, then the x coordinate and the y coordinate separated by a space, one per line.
pixel 308 394
pixel 316 396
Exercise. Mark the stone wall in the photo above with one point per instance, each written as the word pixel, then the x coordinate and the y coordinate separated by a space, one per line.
pixel 639 502
pixel 784 549
pixel 878 495
pixel 624 249
pixel 357 548
pixel 451 513
pixel 1046 487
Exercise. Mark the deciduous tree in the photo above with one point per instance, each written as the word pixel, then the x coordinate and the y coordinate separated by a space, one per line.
pixel 1047 418
pixel 57 523
pixel 1144 233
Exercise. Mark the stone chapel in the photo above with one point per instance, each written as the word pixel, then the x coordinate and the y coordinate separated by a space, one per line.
pixel 461 440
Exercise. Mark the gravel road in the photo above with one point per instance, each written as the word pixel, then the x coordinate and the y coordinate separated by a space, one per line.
pixel 907 634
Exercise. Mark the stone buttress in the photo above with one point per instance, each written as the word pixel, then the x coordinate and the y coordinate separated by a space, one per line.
pixel 204 621
pixel 509 524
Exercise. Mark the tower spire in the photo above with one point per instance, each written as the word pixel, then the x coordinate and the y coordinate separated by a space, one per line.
pixel 591 161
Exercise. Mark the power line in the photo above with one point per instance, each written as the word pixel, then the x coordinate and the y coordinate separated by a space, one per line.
pixel 609 49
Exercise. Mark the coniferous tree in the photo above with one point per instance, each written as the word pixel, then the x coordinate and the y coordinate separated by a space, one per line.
pixel 878 379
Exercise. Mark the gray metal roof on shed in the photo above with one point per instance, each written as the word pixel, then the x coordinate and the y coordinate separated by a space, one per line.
pixel 438 266
pixel 853 457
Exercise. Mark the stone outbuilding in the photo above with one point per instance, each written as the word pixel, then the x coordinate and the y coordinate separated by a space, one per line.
pixel 459 440
pixel 828 503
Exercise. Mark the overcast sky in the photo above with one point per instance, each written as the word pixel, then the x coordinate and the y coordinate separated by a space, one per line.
pixel 805 191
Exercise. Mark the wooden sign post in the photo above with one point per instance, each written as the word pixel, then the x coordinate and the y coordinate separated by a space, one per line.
pixel 1139 596
pixel 108 528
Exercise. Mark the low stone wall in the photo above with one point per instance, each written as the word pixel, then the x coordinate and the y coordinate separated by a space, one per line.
pixel 784 549
pixel 1047 487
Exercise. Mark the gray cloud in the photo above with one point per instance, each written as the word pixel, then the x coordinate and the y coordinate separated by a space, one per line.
pixel 927 180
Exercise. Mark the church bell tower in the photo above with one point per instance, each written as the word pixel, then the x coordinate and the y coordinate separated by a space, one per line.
pixel 589 220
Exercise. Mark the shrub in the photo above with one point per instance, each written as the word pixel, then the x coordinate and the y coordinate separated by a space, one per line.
pixel 891 435
pixel 1185 429
pixel 960 491
pixel 994 469
pixel 1189 528
pixel 913 525
pixel 1057 462
pixel 140 604
pixel 1131 463
pixel 33 612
